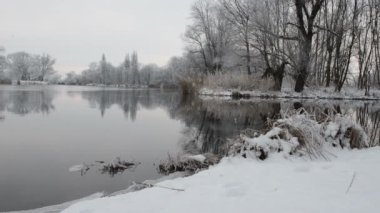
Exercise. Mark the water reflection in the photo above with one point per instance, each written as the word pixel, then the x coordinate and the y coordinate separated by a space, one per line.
pixel 25 102
pixel 369 118
pixel 209 122
pixel 130 101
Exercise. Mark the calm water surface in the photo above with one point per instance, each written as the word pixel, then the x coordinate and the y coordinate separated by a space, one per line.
pixel 46 130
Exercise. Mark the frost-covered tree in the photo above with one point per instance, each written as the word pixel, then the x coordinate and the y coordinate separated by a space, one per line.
pixel 3 64
pixel 72 78
pixel 41 67
pixel 272 39
pixel 25 66
pixel 92 75
pixel 19 65
pixel 46 63
pixel 146 73
pixel 135 69
pixel 127 69
pixel 104 70
pixel 208 37
pixel 240 14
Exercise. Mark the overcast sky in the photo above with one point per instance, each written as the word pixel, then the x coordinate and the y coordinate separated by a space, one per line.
pixel 77 32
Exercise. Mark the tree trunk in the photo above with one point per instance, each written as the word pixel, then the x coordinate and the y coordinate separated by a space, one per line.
pixel 328 68
pixel 248 59
pixel 305 30
pixel 303 67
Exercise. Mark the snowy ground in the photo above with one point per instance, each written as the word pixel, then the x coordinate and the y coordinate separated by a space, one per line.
pixel 322 93
pixel 347 182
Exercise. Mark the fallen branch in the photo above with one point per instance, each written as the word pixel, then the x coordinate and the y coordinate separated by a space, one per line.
pixel 164 187
pixel 352 181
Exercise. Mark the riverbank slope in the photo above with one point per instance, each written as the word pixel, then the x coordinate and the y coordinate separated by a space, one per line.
pixel 347 182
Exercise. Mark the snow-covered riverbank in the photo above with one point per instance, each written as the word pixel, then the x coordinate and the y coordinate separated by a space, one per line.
pixel 323 93
pixel 348 182
pixel 337 179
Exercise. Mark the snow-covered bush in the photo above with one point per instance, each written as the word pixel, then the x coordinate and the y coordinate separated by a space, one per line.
pixel 299 133
pixel 342 131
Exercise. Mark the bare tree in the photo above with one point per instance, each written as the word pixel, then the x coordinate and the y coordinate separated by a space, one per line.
pixel 368 43
pixel 306 12
pixel 239 13
pixel 209 35
pixel 271 39
pixel 345 40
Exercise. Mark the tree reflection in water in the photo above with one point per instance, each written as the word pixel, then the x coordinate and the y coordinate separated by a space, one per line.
pixel 208 122
pixel 23 102
pixel 130 101
pixel 369 118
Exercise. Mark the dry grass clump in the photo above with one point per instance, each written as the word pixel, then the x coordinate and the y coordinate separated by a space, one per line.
pixel 239 81
pixel 190 83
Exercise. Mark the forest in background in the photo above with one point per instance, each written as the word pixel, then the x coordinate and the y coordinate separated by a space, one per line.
pixel 239 43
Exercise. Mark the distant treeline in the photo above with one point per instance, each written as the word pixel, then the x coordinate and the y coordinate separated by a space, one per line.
pixel 128 73
pixel 22 66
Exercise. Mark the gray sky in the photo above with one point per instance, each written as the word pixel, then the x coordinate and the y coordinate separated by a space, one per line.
pixel 77 32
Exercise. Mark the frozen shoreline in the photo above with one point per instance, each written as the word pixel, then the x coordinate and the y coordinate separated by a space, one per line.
pixel 324 93
pixel 133 188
